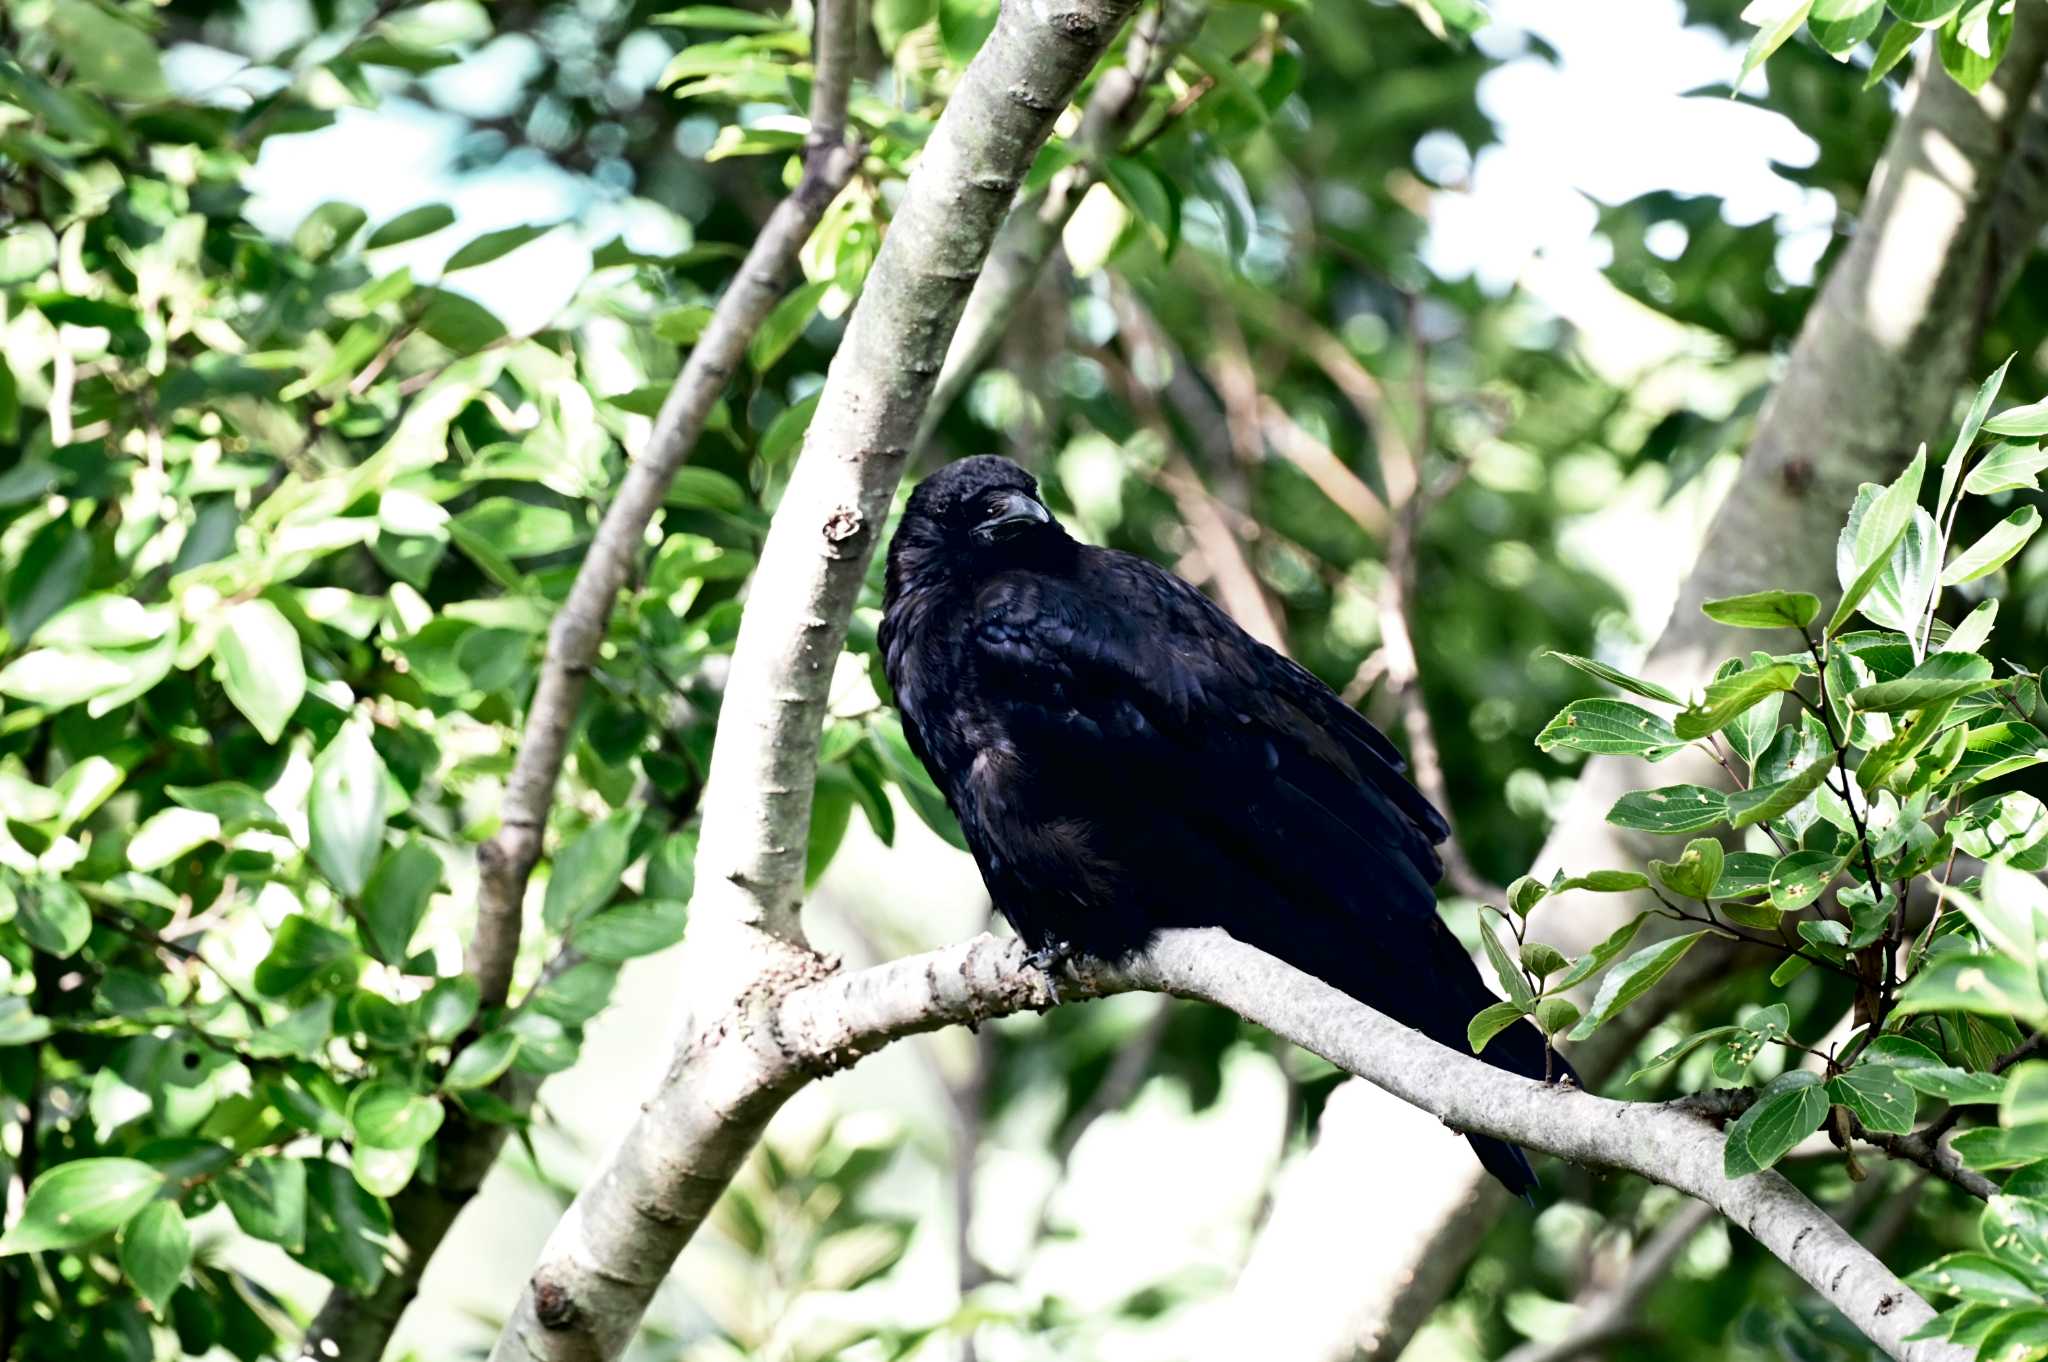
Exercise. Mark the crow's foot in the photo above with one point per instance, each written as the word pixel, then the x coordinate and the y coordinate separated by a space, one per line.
pixel 1049 961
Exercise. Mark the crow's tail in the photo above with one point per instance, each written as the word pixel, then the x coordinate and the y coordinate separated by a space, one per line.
pixel 1427 981
pixel 1520 1049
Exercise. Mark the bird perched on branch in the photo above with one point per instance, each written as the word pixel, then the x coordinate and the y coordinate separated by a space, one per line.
pixel 1122 758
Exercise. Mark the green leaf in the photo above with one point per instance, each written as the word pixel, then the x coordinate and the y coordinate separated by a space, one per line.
pixel 156 1248
pixel 267 1197
pixel 1993 1148
pixel 77 1202
pixel 1673 1053
pixel 2025 1100
pixel 491 245
pixel 299 949
pixel 448 1007
pixel 18 1024
pixel 706 488
pixel 2025 422
pixel 1924 12
pixel 1941 677
pixel 1957 1087
pixel 785 324
pixel 785 434
pixel 1745 873
pixel 1959 453
pixel 347 1228
pixel 462 324
pixel 168 834
pixel 1635 685
pixel 1841 26
pixel 1601 882
pixel 2004 825
pixel 1610 728
pixel 57 678
pixel 1877 1096
pixel 1631 979
pixel 1972 1277
pixel 2010 911
pixel 1672 809
pixel 1697 870
pixel 1798 880
pixel 387 1115
pixel 257 658
pixel 1541 958
pixel 483 1060
pixel 683 325
pixel 327 229
pixel 1878 522
pixel 1995 549
pixel 105 620
pixel 585 873
pixel 577 994
pixel 721 18
pixel 1761 803
pixel 345 809
pixel 2008 468
pixel 234 806
pixel 1987 985
pixel 1504 968
pixel 395 899
pixel 1777 21
pixel 630 930
pixel 1491 1023
pixel 412 224
pixel 1731 695
pixel 516 529
pixel 2000 749
pixel 1524 894
pixel 1602 955
pixel 52 916
pixel 1556 1015
pixel 384 1172
pixel 1764 610
pixel 1789 1109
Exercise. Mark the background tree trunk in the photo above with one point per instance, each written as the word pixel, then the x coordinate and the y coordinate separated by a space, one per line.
pixel 1955 207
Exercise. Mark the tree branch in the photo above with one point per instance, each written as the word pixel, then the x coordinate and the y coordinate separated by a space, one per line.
pixel 1034 228
pixel 352 1328
pixel 612 1249
pixel 506 861
pixel 621 1236
pixel 757 804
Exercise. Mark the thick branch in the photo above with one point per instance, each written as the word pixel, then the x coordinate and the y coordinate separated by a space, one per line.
pixel 506 861
pixel 621 1236
pixel 757 803
pixel 1034 228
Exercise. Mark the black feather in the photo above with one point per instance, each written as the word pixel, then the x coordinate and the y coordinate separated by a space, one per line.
pixel 1123 757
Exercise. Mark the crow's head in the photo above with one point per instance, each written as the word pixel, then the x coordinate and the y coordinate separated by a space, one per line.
pixel 973 517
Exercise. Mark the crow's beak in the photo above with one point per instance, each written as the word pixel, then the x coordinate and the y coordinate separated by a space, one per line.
pixel 1019 513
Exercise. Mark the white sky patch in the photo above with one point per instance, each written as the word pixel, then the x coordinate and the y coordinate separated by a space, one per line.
pixel 1612 119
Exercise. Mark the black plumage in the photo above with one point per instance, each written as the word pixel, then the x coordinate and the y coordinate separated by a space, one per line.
pixel 1123 757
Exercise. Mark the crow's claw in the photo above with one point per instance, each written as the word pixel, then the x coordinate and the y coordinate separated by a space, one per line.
pixel 1049 961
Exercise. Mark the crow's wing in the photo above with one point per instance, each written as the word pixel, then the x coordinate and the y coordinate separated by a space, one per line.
pixel 1129 671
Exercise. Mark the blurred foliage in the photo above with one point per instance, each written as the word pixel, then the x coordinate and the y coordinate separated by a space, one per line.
pixel 283 523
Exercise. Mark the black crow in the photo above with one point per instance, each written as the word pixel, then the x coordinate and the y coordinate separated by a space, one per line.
pixel 1122 757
